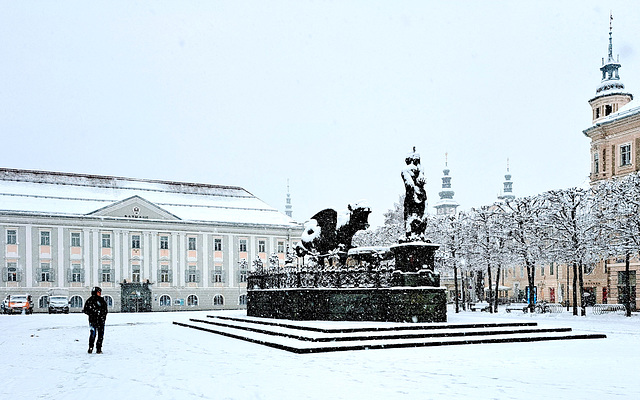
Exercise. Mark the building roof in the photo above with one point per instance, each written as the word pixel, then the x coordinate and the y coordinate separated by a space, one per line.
pixel 59 193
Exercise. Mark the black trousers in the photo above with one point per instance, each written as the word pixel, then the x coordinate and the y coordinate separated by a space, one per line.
pixel 96 329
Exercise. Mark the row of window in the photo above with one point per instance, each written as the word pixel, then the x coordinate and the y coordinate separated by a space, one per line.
pixel 164 301
pixel 625 158
pixel 45 240
pixel 76 274
pixel 192 300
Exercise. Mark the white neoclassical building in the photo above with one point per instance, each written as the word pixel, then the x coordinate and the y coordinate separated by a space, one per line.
pixel 151 245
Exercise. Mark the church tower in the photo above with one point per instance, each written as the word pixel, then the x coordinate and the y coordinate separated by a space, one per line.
pixel 610 95
pixel 288 209
pixel 446 205
pixel 507 191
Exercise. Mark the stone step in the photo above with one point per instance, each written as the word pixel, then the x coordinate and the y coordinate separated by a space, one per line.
pixel 339 335
pixel 298 338
pixel 355 326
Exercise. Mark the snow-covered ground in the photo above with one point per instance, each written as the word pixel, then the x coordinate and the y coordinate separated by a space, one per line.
pixel 146 356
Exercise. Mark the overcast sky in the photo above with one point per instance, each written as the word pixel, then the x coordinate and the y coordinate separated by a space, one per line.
pixel 330 95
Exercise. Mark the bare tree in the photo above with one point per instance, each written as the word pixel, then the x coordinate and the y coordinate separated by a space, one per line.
pixel 526 235
pixel 450 234
pixel 572 231
pixel 619 201
pixel 487 245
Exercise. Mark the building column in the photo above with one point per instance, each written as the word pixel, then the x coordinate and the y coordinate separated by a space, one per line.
pixel 232 261
pixel 62 277
pixel 117 261
pixel 153 270
pixel 205 260
pixel 97 257
pixel 86 257
pixel 126 256
pixel 146 257
pixel 182 258
pixel 173 252
pixel 28 268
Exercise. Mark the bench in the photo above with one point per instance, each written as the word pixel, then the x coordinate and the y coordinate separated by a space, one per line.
pixel 517 307
pixel 482 306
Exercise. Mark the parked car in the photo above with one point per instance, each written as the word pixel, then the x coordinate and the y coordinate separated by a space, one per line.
pixel 58 304
pixel 58 300
pixel 17 303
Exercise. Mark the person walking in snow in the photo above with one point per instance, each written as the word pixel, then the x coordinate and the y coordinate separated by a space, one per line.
pixel 96 308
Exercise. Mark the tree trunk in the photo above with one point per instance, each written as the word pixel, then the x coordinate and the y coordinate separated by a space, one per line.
pixel 583 307
pixel 627 286
pixel 455 284
pixel 496 292
pixel 575 288
pixel 566 294
pixel 464 291
pixel 531 278
pixel 490 301
pixel 479 286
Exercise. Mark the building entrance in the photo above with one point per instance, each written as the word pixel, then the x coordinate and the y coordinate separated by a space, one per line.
pixel 136 297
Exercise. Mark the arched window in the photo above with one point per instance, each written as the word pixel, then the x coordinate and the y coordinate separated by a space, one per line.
pixel 76 302
pixel 109 301
pixel 242 300
pixel 192 300
pixel 43 302
pixel 165 300
pixel 218 300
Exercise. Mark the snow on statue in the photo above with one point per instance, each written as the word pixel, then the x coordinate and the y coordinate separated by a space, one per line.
pixel 328 231
pixel 415 198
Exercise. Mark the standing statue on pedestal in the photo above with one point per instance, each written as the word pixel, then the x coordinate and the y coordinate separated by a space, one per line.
pixel 415 198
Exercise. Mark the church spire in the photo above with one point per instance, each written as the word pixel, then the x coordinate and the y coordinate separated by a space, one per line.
pixel 610 94
pixel 288 209
pixel 507 191
pixel 610 59
pixel 446 205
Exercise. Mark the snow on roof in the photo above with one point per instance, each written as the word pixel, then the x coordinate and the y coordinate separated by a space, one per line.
pixel 77 194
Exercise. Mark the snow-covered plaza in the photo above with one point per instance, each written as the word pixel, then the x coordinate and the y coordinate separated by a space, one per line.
pixel 147 356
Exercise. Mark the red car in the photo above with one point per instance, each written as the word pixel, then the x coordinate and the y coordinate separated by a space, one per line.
pixel 17 303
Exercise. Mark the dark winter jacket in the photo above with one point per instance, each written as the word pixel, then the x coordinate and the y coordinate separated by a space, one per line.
pixel 96 308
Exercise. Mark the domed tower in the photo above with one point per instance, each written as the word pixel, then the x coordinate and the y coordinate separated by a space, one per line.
pixel 611 94
pixel 446 205
pixel 288 208
pixel 507 191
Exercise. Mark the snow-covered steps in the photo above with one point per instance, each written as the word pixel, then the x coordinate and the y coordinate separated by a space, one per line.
pixel 316 337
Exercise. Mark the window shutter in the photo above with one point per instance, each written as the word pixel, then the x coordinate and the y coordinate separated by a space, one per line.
pixel 82 275
pixel 19 275
pixel 198 276
pixel 5 274
pixel 70 275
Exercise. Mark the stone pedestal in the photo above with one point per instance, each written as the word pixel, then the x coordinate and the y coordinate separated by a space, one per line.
pixel 401 304
pixel 414 256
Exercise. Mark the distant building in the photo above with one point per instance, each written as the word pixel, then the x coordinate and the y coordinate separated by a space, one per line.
pixel 615 151
pixel 446 205
pixel 151 245
pixel 615 129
